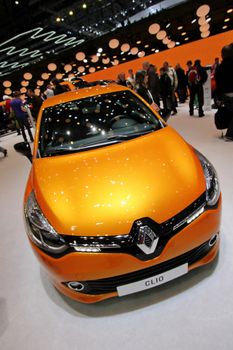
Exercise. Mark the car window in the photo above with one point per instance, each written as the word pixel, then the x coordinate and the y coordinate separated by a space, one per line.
pixel 94 122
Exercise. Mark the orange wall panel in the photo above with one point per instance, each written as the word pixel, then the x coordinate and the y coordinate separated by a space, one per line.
pixel 205 49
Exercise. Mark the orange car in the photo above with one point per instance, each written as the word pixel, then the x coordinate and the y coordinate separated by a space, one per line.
pixel 116 201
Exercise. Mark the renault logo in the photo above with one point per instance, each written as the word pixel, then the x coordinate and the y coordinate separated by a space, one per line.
pixel 147 239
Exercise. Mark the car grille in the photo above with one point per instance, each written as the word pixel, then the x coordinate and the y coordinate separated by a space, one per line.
pixel 127 243
pixel 109 285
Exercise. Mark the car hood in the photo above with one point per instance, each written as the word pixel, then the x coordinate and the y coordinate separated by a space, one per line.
pixel 103 191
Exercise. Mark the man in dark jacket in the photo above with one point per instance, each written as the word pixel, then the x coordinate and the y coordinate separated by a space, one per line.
pixel 224 85
pixel 197 76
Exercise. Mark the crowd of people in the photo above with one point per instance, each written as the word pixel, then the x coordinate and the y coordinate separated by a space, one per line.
pixel 169 86
pixel 162 90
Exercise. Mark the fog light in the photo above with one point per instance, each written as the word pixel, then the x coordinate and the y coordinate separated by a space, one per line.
pixel 76 286
pixel 213 240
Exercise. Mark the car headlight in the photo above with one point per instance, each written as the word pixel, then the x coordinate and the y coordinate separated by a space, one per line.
pixel 211 178
pixel 39 230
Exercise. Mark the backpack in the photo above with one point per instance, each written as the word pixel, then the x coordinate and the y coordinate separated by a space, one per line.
pixel 193 76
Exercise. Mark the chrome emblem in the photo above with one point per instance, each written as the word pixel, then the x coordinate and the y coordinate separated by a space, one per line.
pixel 147 239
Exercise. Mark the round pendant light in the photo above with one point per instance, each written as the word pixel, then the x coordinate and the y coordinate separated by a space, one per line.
pixel 52 67
pixel 80 56
pixel 125 47
pixel 45 76
pixel 161 35
pixel 6 83
pixel 134 50
pixel 203 10
pixel 67 68
pixel 81 69
pixel 27 76
pixel 154 28
pixel 113 43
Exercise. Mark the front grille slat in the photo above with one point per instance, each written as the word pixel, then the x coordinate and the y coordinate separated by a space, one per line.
pixel 109 285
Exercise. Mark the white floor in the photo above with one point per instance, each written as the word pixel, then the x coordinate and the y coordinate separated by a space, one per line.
pixel 193 312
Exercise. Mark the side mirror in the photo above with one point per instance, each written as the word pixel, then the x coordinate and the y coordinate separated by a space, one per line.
pixel 25 149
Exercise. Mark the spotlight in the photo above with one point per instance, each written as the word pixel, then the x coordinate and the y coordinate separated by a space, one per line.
pixel 71 13
pixel 84 6
pixel 58 19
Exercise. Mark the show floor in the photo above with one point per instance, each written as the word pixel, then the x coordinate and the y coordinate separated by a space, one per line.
pixel 192 312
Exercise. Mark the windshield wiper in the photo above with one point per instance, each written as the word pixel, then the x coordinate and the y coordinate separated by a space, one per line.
pixel 130 135
pixel 106 141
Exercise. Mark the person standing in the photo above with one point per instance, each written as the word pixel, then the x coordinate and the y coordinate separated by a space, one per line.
pixel 166 92
pixel 35 102
pixel 130 81
pixel 150 71
pixel 197 76
pixel 21 115
pixel 174 81
pixel 182 83
pixel 121 80
pixel 224 85
pixel 141 86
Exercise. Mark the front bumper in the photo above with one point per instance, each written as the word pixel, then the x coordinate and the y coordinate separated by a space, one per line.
pixel 101 273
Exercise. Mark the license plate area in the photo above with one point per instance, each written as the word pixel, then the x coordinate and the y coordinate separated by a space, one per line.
pixel 153 281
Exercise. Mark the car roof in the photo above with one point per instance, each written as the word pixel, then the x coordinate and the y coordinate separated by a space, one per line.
pixel 82 93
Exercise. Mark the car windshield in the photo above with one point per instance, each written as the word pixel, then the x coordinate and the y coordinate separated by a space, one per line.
pixel 94 122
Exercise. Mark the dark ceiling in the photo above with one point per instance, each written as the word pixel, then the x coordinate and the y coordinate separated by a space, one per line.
pixel 36 32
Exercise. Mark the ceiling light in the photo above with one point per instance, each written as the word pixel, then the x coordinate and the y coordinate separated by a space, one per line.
pixel 194 20
pixel 168 25
pixel 85 60
pixel 179 28
pixel 203 10
pixel 58 19
pixel 71 13
pixel 177 43
pixel 171 45
pixel 157 50
pixel 229 11
pixel 226 19
pixel 84 6
pixel 100 49
pixel 138 42
pixel 125 47
pixel 123 59
pixel 208 19
pixel 161 35
pixel 205 34
pixel 16 3
pixel 146 46
pixel 80 56
pixel 186 39
pixel 6 83
pixel 113 43
pixel 224 27
pixel 154 28
pixel 98 54
pixel 184 33
pixel 202 21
